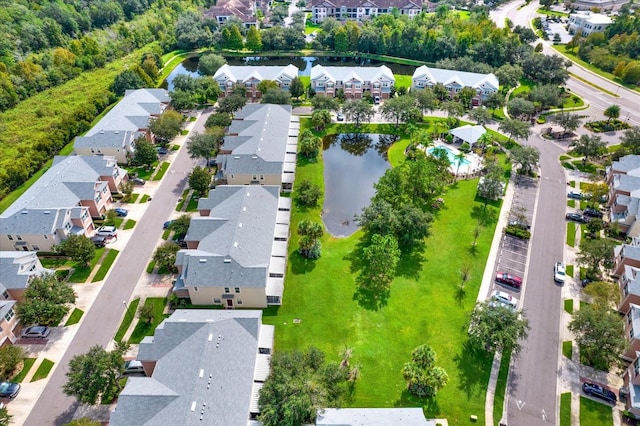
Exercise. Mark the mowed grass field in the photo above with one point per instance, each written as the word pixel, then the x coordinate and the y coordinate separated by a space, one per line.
pixel 427 306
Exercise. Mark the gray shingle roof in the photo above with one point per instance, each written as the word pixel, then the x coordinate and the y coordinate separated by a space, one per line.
pixel 626 183
pixel 372 417
pixel 64 185
pixel 106 139
pixel 132 113
pixel 17 266
pixel 261 72
pixel 235 239
pixel 205 368
pixel 261 144
pixel 626 164
pixel 347 73
pixel 444 76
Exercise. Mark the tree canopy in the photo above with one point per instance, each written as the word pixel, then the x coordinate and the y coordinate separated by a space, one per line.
pixel 424 378
pixel 46 301
pixel 497 328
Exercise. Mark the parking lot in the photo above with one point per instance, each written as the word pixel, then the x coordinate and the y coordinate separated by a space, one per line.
pixel 512 257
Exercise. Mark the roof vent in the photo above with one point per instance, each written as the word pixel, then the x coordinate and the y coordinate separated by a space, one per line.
pixel 203 260
pixel 240 225
pixel 209 339
pixel 227 261
pixel 193 406
pixel 47 212
pixel 255 157
pixel 235 244
pixel 237 157
pixel 24 211
pixel 201 375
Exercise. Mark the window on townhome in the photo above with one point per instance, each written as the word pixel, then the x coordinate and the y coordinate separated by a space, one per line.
pixel 18 237
pixel 261 177
pixel 247 85
pixel 5 294
pixel 216 301
pixel 236 289
pixel 226 290
pixel 195 289
pixel 10 237
pixel 636 366
pixel 239 301
pixel 320 84
pixel 348 85
pixel 9 315
pixel 358 85
pixel 98 197
pixel 36 248
pixel 67 226
pixel 631 333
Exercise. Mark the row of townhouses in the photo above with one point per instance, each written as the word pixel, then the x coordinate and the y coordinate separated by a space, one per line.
pixel 623 178
pixel 354 81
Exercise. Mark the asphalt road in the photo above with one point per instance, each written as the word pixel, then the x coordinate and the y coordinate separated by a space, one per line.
pixel 532 389
pixel 101 321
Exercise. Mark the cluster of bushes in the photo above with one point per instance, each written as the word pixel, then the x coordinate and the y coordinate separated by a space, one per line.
pixel 517 232
pixel 606 125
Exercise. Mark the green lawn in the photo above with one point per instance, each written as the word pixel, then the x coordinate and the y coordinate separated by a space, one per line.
pixel 426 305
pixel 571 203
pixel 75 316
pixel 57 262
pixel 133 198
pixel 192 205
pixel 402 81
pixel 27 364
pixel 141 172
pixel 571 234
pixel 185 193
pixel 144 329
pixel 543 11
pixel 129 224
pixel 151 266
pixel 565 409
pixel 595 413
pixel 43 370
pixel 568 305
pixel 132 308
pixel 501 388
pixel 144 198
pixel 162 170
pixel 105 266
pixel 81 274
pixel 567 349
pixel 569 270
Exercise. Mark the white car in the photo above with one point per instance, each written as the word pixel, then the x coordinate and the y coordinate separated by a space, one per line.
pixel 107 231
pixel 503 298
pixel 559 273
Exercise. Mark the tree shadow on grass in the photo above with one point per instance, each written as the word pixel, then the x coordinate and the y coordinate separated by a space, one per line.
pixel 460 295
pixel 429 405
pixel 411 262
pixel 484 216
pixel 473 368
pixel 370 299
pixel 301 265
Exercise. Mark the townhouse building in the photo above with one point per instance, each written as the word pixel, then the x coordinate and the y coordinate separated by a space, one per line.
pixel 353 81
pixel 454 81
pixel 360 10
pixel 230 76
pixel 623 178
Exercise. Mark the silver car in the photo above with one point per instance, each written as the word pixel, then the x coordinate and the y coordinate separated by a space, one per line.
pixel 503 298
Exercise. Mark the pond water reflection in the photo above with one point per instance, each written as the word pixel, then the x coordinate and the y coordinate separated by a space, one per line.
pixel 352 164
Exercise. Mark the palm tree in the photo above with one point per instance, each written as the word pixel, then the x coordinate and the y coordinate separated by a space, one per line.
pixel 612 112
pixel 459 159
pixel 345 354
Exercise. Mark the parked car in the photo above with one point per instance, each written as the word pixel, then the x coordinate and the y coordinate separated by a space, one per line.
pixel 133 368
pixel 99 241
pixel 585 282
pixel 9 389
pixel 167 224
pixel 137 181
pixel 509 279
pixel 107 231
pixel 577 217
pixel 340 116
pixel 35 332
pixel 574 195
pixel 376 100
pixel 590 211
pixel 503 298
pixel 598 391
pixel 519 224
pixel 121 212
pixel 559 272
pixel 162 150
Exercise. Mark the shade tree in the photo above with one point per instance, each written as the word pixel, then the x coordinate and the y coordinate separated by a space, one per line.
pixel 46 301
pixel 424 378
pixel 497 328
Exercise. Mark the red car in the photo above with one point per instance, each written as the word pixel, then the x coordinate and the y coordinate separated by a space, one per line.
pixel 508 279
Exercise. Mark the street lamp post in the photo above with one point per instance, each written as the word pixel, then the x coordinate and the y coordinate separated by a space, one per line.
pixel 126 310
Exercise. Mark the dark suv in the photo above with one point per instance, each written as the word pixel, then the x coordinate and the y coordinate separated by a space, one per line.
pixel 590 211
pixel 598 391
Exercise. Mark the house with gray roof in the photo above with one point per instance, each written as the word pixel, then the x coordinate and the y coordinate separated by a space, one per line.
pixel 258 147
pixel 425 77
pixel 203 367
pixel 115 134
pixel 360 10
pixel 230 76
pixel 626 255
pixel 63 201
pixel 353 81
pixel 17 269
pixel 236 249
pixel 631 376
pixel 244 10
pixel 372 417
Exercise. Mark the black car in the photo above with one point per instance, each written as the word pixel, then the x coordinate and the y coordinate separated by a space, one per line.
pixel 162 150
pixel 577 217
pixel 9 389
pixel 99 241
pixel 575 195
pixel 137 181
pixel 598 391
pixel 590 211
